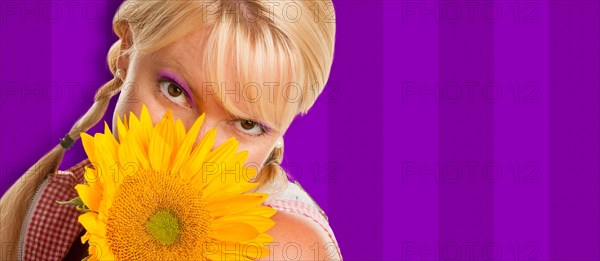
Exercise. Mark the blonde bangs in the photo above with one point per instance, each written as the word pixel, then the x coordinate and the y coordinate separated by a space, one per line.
pixel 254 69
pixel 251 58
pixel 276 68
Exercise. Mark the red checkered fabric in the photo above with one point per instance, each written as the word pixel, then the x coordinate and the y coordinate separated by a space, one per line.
pixel 50 229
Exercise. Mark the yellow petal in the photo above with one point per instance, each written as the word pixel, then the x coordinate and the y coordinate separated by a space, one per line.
pixel 263 211
pixel 85 237
pixel 179 134
pixel 235 204
pixel 231 177
pixel 88 145
pixel 224 150
pixel 146 125
pixel 135 148
pixel 263 238
pixel 125 155
pixel 218 190
pixel 186 147
pixel 110 138
pixel 133 121
pixel 108 146
pixel 131 158
pixel 213 167
pixel 161 144
pixel 194 165
pixel 107 164
pixel 249 173
pixel 125 122
pixel 90 197
pixel 234 231
pixel 107 129
pixel 89 221
pixel 101 249
pixel 121 129
pixel 92 178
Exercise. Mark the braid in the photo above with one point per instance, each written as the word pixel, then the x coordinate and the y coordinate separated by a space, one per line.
pixel 272 177
pixel 101 99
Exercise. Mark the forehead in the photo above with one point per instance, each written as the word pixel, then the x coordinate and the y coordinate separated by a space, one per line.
pixel 184 52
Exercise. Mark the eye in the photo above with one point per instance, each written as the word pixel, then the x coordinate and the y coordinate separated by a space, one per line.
pixel 250 127
pixel 174 93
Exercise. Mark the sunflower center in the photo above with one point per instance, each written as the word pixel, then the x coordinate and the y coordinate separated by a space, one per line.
pixel 158 216
pixel 164 227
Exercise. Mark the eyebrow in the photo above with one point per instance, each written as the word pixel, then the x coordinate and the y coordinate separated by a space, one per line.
pixel 180 69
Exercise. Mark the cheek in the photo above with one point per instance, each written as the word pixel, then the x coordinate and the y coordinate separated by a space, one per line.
pixel 135 93
pixel 123 107
pixel 130 100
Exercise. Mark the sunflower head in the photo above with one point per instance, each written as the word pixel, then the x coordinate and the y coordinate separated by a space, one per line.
pixel 155 195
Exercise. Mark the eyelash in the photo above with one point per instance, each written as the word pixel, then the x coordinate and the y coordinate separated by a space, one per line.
pixel 263 129
pixel 174 82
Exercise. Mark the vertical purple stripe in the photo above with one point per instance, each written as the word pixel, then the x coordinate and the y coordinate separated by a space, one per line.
pixel 78 72
pixel 466 135
pixel 51 69
pixel 410 133
pixel 305 154
pixel 389 187
pixel 355 130
pixel 574 130
pixel 25 51
pixel 521 131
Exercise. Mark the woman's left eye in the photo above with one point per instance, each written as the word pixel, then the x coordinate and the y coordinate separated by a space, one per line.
pixel 250 127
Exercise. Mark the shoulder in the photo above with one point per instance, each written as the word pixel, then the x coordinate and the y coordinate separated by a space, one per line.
pixel 301 230
pixel 296 237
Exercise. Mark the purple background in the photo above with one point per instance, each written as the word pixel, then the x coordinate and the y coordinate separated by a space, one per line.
pixel 449 130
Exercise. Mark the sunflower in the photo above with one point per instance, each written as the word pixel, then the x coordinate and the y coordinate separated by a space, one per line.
pixel 153 195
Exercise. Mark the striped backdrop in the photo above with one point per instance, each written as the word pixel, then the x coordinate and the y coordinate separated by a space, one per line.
pixel 449 130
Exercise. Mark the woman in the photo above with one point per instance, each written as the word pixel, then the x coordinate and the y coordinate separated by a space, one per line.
pixel 250 65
